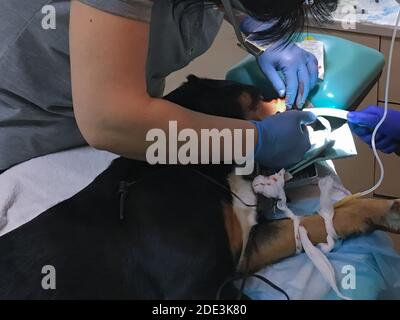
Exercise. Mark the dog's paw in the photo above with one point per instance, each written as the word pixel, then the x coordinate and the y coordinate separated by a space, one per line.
pixel 388 221
pixel 393 218
pixel 362 216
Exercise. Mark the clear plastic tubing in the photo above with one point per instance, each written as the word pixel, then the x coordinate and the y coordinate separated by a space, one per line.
pixel 388 76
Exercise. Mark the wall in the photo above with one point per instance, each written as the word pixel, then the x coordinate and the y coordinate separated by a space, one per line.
pixel 215 62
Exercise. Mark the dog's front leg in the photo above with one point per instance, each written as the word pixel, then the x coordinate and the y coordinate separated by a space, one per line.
pixel 274 240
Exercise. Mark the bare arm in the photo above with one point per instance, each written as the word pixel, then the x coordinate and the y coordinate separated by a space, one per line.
pixel 111 104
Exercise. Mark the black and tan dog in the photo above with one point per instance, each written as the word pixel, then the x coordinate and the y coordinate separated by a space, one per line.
pixel 181 234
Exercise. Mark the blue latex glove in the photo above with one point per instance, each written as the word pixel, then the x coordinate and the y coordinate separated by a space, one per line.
pixel 283 139
pixel 364 122
pixel 299 67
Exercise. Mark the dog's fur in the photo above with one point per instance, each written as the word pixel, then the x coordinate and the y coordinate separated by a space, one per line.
pixel 181 235
pixel 172 243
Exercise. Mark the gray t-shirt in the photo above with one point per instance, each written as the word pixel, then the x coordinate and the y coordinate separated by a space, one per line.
pixel 36 111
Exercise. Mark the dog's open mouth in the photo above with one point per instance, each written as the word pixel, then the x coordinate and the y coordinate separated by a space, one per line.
pixel 257 108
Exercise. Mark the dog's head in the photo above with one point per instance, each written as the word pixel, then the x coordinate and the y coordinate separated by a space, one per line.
pixel 222 98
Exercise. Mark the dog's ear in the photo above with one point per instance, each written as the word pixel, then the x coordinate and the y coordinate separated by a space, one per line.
pixel 192 78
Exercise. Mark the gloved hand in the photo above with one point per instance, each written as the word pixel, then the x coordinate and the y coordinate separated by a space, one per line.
pixel 364 122
pixel 283 139
pixel 299 67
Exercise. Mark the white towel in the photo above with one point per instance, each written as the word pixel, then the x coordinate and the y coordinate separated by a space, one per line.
pixel 32 187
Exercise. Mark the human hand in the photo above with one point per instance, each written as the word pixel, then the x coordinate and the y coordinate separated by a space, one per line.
pixel 283 139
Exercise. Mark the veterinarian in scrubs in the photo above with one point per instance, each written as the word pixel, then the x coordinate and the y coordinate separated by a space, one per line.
pixel 98 75
pixel 364 122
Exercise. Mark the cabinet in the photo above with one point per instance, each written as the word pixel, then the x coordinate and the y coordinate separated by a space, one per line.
pixel 357 173
pixel 360 173
pixel 394 89
pixel 391 184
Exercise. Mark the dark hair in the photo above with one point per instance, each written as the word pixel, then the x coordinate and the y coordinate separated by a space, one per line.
pixel 289 16
pixel 214 97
